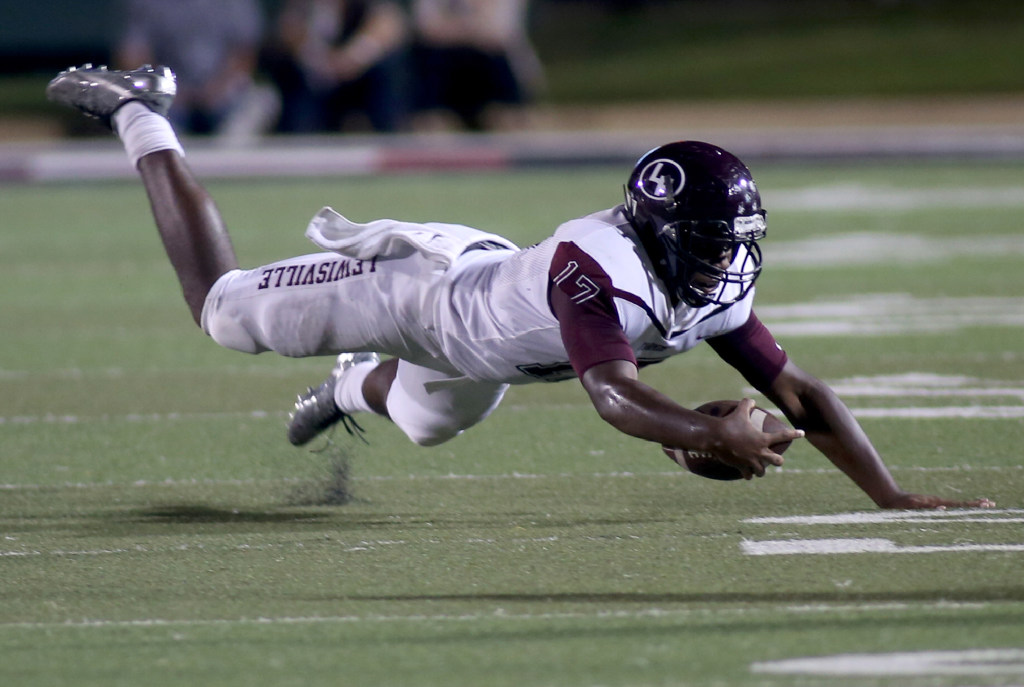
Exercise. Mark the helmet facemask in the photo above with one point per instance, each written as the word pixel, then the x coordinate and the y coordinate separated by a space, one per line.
pixel 710 257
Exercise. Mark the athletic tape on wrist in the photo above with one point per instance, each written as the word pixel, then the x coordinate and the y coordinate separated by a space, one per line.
pixel 143 131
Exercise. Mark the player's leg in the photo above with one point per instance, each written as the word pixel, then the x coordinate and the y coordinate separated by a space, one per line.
pixel 134 104
pixel 190 226
pixel 359 382
pixel 432 407
pixel 319 304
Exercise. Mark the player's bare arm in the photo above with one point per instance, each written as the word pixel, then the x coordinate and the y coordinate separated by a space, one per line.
pixel 810 404
pixel 639 410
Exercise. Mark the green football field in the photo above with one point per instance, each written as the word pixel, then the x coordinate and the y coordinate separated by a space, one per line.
pixel 158 529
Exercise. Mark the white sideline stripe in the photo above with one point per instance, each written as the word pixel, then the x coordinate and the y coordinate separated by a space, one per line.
pixel 805 547
pixel 329 155
pixel 498 614
pixel 110 162
pixel 675 474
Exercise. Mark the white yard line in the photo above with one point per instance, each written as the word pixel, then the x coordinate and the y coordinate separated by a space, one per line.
pixel 882 248
pixel 991 518
pixel 498 614
pixel 830 547
pixel 886 200
pixel 966 662
pixel 997 515
pixel 69 419
pixel 879 314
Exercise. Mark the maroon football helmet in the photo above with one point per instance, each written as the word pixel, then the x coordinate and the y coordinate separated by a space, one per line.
pixel 698 214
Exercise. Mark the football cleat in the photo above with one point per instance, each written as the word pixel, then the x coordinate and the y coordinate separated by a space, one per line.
pixel 316 411
pixel 99 92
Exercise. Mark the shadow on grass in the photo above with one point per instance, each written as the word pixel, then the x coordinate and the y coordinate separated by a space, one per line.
pixel 342 520
pixel 197 513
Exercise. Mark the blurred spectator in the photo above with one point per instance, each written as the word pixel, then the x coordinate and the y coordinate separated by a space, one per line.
pixel 472 55
pixel 213 47
pixel 335 58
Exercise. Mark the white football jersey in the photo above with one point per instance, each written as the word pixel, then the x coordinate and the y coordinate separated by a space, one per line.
pixel 491 313
pixel 496 321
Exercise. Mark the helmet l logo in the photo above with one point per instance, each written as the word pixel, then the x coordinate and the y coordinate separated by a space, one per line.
pixel 662 179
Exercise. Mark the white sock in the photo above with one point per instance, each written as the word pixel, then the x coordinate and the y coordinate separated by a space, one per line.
pixel 348 392
pixel 143 131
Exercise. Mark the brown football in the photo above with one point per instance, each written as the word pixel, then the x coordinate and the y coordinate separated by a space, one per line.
pixel 705 463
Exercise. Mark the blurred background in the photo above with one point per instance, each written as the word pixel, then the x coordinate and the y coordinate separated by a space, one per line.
pixel 327 66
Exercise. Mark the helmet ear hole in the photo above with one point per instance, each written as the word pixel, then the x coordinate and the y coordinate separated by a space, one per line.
pixel 697 212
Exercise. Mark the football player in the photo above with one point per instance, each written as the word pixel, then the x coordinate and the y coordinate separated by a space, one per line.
pixel 463 314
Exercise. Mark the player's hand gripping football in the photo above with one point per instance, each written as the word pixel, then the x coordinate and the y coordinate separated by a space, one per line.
pixel 748 448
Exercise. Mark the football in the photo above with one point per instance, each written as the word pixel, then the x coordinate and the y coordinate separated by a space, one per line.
pixel 705 463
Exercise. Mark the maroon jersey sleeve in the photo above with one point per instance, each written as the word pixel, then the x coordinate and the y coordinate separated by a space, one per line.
pixel 581 296
pixel 753 351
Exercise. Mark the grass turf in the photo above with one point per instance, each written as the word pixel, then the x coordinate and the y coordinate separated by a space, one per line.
pixel 157 527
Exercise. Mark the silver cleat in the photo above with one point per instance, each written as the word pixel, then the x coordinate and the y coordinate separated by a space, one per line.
pixel 316 411
pixel 99 92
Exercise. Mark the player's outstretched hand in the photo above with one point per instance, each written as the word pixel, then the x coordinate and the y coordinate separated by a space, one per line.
pixel 922 501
